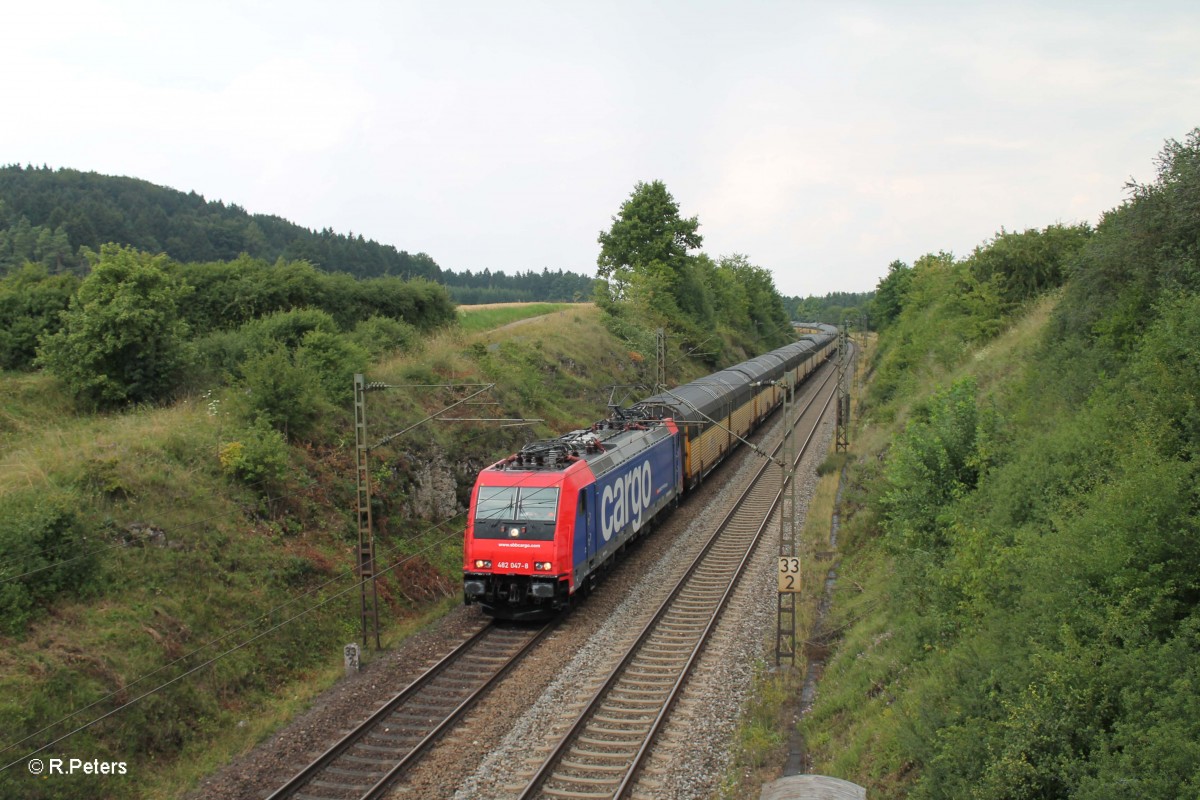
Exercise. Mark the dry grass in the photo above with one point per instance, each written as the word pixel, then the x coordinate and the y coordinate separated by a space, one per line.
pixel 42 456
pixel 496 316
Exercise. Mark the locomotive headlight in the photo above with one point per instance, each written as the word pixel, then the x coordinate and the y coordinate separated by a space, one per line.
pixel 482 563
pixel 543 565
pixel 515 531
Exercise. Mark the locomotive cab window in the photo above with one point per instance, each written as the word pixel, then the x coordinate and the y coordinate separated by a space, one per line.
pixel 509 512
pixel 495 503
pixel 539 505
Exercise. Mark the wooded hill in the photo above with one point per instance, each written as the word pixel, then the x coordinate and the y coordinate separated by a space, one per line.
pixel 47 216
pixel 833 308
pixel 178 506
pixel 1019 603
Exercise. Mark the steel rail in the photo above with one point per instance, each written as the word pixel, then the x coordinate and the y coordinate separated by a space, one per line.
pixel 306 776
pixel 560 750
pixel 660 719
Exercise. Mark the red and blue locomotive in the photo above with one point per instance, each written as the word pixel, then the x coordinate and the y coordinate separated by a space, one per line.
pixel 545 522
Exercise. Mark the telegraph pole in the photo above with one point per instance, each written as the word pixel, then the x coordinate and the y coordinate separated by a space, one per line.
pixel 789 558
pixel 842 434
pixel 365 556
pixel 661 359
pixel 368 598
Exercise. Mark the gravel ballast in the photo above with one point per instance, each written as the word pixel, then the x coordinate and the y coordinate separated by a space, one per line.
pixel 491 753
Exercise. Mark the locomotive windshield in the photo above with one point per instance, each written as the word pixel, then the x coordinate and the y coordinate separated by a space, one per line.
pixel 540 505
pixel 495 503
pixel 537 507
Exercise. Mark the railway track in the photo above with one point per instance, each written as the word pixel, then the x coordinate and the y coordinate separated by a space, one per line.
pixel 600 755
pixel 369 759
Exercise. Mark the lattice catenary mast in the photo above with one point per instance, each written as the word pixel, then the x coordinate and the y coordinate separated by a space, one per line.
pixel 842 434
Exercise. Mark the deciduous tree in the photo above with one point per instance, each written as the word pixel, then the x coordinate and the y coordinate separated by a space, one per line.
pixel 122 339
pixel 647 235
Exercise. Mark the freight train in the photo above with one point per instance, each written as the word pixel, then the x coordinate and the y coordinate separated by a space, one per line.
pixel 546 522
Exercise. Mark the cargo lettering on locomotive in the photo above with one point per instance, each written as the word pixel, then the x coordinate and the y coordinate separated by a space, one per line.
pixel 626 499
pixel 601 487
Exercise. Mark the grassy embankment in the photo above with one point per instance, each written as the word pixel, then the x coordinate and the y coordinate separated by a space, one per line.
pixel 853 730
pixel 1019 598
pixel 184 563
pixel 842 743
pixel 1018 604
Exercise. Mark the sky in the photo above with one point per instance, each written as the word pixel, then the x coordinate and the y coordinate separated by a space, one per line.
pixel 821 140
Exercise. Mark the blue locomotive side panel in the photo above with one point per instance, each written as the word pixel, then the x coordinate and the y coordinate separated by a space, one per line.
pixel 629 495
pixel 583 545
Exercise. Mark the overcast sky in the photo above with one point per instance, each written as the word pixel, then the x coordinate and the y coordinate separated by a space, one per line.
pixel 823 140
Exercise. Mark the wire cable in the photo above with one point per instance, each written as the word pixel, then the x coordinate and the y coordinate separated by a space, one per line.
pixel 264 615
pixel 211 661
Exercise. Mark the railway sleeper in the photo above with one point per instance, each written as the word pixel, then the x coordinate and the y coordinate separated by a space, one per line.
pixel 577 795
pixel 586 780
pixel 371 748
pixel 637 713
pixel 622 756
pixel 408 739
pixel 628 736
pixel 595 742
pixel 377 763
pixel 589 767
pixel 635 693
pixel 350 773
pixel 341 787
pixel 635 703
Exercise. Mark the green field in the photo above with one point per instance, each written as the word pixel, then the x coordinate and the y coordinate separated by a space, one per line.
pixel 476 319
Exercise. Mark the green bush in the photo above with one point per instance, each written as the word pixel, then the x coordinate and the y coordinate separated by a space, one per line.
pixel 1024 265
pixel 122 339
pixel 382 335
pixel 1168 370
pixel 31 304
pixel 233 293
pixel 287 328
pixel 333 359
pixel 280 393
pixel 257 456
pixel 938 459
pixel 44 553
pixel 219 355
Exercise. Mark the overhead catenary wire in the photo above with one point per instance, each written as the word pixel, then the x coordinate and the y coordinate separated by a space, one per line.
pixel 264 615
pixel 240 646
pixel 224 637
